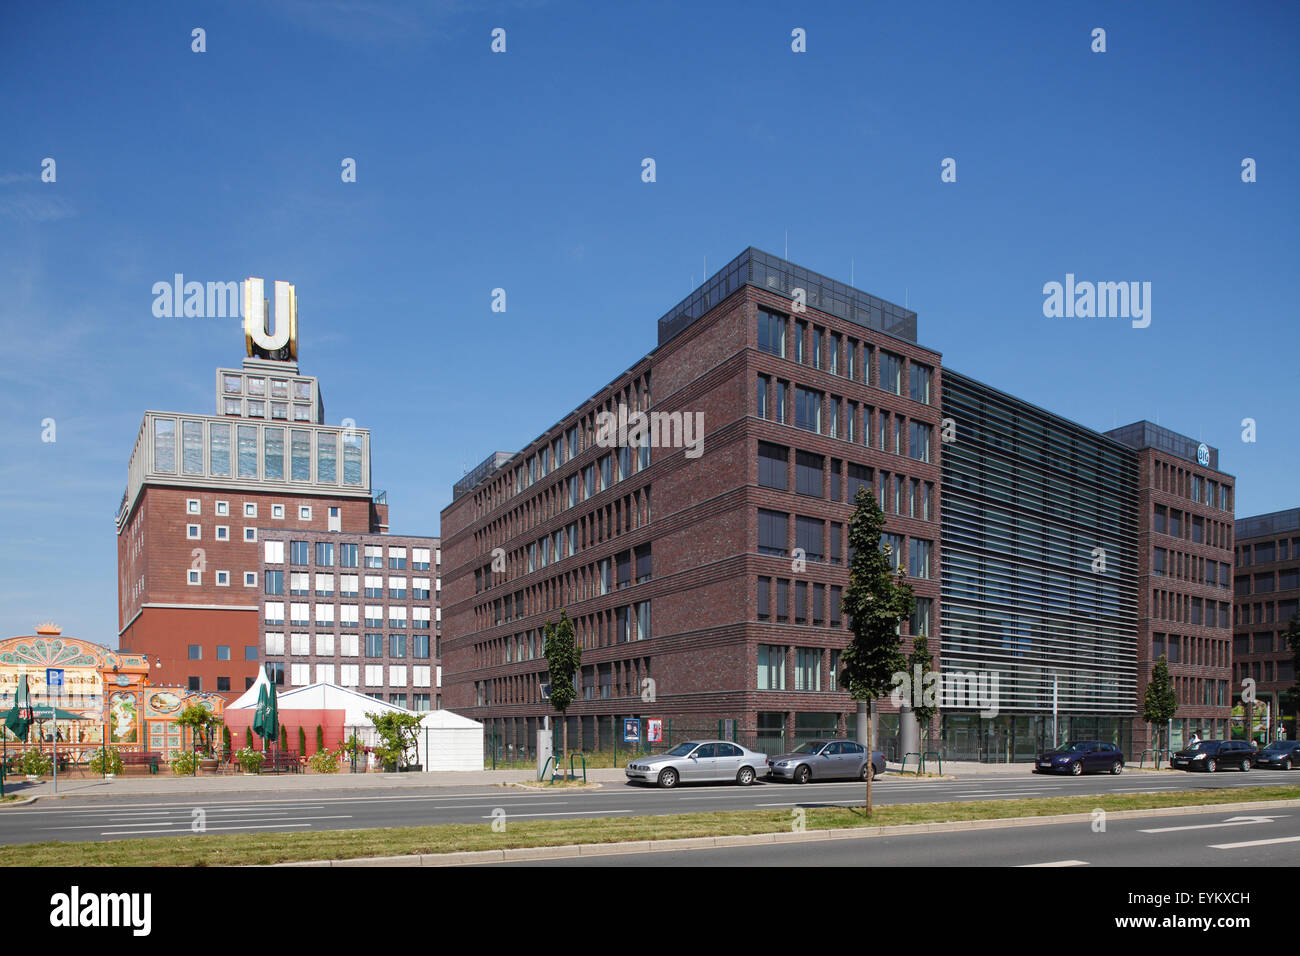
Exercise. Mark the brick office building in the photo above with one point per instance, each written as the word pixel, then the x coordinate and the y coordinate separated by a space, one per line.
pixel 1266 596
pixel 357 610
pixel 704 579
pixel 200 486
pixel 1185 532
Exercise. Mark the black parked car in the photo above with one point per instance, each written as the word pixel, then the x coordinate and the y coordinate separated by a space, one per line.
pixel 1212 755
pixel 1279 755
pixel 1081 756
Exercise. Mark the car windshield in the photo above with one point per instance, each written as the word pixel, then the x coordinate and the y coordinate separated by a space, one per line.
pixel 681 750
pixel 1204 747
pixel 1072 748
pixel 1279 745
pixel 810 747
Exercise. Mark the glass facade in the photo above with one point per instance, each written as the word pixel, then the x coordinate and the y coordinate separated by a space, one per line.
pixel 1039 568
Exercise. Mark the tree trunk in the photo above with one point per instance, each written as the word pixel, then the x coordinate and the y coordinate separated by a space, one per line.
pixel 871 766
pixel 564 740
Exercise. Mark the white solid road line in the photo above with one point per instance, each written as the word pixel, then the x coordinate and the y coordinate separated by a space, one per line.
pixel 558 813
pixel 1056 863
pixel 1237 846
pixel 175 833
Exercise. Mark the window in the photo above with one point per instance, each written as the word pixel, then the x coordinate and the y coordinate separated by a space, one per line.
pixel 918 562
pixel 250 509
pixel 348 555
pixel 919 441
pixel 250 579
pixel 277 512
pixel 374 556
pixel 193 532
pixel 772 532
pixel 298 553
pixel 892 545
pixel 771 667
pixel 374 645
pixel 772 465
pixel 223 579
pixel 348 584
pixel 800 335
pixel 324 554
pixel 250 534
pixel 420 559
pixel 219 450
pixel 274 582
pixel 324 585
pixel 196 652
pixel 299 583
pixel 782 600
pixel 762 396
pixel 764 597
pixel 250 652
pixel 920 390
pixel 859 477
pixel 808 409
pixel 807 668
pixel 397 559
pixel 193 576
pixel 808 536
pixel 274 643
pixel 1160 518
pixel 808 473
pixel 891 372
pixel 397 645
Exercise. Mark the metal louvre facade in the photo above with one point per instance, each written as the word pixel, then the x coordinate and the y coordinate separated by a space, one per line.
pixel 1028 498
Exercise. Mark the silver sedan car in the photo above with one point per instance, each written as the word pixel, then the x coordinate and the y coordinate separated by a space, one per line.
pixel 696 761
pixel 824 760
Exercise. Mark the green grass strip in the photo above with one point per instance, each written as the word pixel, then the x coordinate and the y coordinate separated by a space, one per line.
pixel 265 848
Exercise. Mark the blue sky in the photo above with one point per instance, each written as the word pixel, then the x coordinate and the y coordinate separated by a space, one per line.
pixel 522 171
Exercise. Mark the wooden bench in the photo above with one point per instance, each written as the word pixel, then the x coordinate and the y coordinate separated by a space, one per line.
pixel 148 760
pixel 285 762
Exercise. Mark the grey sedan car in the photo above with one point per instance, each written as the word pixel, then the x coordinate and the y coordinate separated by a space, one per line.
pixel 697 761
pixel 825 760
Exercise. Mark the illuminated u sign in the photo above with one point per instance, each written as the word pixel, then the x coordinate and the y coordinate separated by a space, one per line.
pixel 261 342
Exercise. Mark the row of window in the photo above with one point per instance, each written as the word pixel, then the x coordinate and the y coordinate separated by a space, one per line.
pixel 1264 671
pixel 257 445
pixel 564 447
pixel 348 645
pixel 813 410
pixel 1180 481
pixel 622 570
pixel 839 355
pixel 194 577
pixel 1266 552
pixel 1268 642
pixel 300 555
pixel 1265 612
pixel 223 652
pixel 1191 651
pixel 1189 567
pixel 626 678
pixel 1173 606
pixel 630 511
pixel 1266 582
pixel 619 625
pixel 816 542
pixel 894 492
pixel 349 584
pixel 1191 527
pixel 817 604
pixel 350 675
pixel 811 668
pixel 300 615
pixel 194 506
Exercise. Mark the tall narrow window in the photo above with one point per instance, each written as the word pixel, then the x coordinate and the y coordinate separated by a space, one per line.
pixel 247 451
pixel 771 332
pixel 192 448
pixel 300 454
pixel 273 453
pixel 762 396
pixel 164 444
pixel 219 449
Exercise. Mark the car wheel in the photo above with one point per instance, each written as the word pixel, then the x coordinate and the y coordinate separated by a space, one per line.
pixel 1245 765
pixel 1285 765
pixel 1076 768
pixel 1117 768
pixel 668 779
pixel 745 777
pixel 867 769
pixel 803 774
pixel 1211 765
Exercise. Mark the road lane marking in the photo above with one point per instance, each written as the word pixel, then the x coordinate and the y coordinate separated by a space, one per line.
pixel 556 813
pixel 1237 846
pixel 1056 863
pixel 174 832
pixel 1230 822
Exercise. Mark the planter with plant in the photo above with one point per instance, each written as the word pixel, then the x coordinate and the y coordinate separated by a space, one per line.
pixel 183 763
pixel 250 760
pixel 324 761
pixel 36 764
pixel 107 762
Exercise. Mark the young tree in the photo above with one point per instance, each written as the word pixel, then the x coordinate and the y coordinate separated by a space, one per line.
pixel 563 658
pixel 302 741
pixel 1161 703
pixel 200 721
pixel 1289 699
pixel 320 738
pixel 919 664
pixel 876 602
pixel 400 733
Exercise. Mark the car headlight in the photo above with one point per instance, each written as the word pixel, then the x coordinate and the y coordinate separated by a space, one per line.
pixel 1199 757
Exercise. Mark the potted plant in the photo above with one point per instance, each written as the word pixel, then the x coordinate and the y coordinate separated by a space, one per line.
pixel 36 765
pixel 106 762
pixel 250 760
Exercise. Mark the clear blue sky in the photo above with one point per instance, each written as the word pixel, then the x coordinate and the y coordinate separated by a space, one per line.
pixel 522 170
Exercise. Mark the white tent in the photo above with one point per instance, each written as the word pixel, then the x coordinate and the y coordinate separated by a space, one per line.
pixel 447 741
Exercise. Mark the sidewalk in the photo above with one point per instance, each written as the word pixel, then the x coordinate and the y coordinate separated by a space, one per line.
pixel 164 784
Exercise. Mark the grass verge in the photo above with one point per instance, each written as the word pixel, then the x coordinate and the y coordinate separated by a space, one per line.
pixel 265 848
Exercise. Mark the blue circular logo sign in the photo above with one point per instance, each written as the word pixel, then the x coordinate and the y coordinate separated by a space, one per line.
pixel 1203 453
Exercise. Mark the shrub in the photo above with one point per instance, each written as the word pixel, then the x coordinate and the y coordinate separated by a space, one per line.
pixel 36 764
pixel 225 739
pixel 248 738
pixel 250 760
pixel 106 761
pixel 302 740
pixel 320 738
pixel 324 761
pixel 184 763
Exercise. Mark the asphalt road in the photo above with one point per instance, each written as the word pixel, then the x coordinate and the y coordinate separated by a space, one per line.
pixel 126 817
pixel 1216 839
